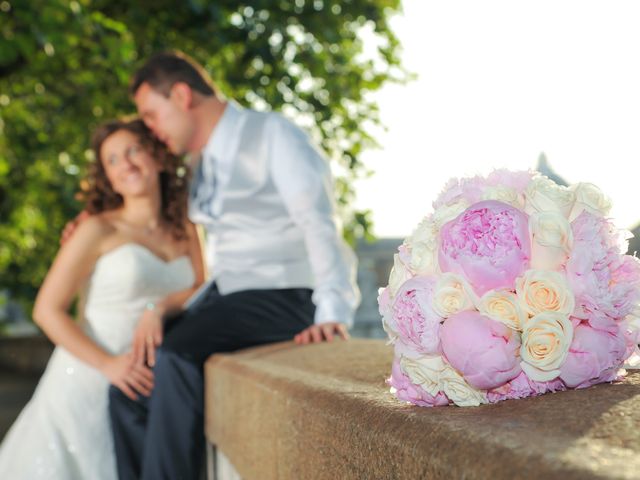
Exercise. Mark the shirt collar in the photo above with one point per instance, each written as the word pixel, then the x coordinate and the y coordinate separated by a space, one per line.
pixel 221 138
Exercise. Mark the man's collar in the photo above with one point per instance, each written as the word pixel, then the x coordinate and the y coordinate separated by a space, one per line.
pixel 224 131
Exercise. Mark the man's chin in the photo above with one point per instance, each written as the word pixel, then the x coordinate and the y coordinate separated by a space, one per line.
pixel 175 149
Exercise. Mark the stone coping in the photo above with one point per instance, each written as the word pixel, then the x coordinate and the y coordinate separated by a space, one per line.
pixel 324 411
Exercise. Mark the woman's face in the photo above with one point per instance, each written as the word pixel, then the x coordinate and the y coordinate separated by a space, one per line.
pixel 130 168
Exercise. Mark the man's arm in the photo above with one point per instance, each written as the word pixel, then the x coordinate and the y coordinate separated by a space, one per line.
pixel 303 179
pixel 72 225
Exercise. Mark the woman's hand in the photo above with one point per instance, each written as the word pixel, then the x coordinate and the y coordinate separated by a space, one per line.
pixel 128 376
pixel 148 335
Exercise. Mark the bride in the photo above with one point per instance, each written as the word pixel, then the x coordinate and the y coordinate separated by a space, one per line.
pixel 142 260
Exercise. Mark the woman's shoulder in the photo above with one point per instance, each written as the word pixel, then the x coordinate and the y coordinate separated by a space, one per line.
pixel 97 227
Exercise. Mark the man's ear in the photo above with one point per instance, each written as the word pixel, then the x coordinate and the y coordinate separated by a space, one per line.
pixel 182 95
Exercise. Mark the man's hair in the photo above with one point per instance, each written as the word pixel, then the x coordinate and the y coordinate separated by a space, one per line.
pixel 163 70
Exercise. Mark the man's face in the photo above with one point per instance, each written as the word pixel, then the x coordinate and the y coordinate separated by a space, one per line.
pixel 169 118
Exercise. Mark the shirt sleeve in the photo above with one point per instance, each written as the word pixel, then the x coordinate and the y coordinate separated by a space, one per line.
pixel 303 179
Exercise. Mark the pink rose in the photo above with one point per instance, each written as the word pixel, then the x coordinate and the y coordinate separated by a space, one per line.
pixel 594 357
pixel 488 243
pixel 413 317
pixel 521 387
pixel 484 351
pixel 410 392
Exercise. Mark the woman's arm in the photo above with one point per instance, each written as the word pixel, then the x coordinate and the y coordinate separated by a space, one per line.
pixel 71 267
pixel 149 332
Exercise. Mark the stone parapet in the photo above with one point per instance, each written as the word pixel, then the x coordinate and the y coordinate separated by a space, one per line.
pixel 324 411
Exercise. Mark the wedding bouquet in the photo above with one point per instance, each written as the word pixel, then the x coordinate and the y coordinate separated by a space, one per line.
pixel 514 286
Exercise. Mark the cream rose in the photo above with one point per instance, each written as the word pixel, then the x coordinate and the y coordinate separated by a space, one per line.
pixel 458 390
pixel 589 198
pixel 423 246
pixel 424 371
pixel 399 274
pixel 452 295
pixel 425 232
pixel 545 342
pixel 543 195
pixel 504 194
pixel 424 258
pixel 551 240
pixel 544 291
pixel 446 213
pixel 503 306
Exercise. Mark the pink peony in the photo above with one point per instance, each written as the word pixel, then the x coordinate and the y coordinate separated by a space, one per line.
pixel 384 301
pixel 594 357
pixel 410 392
pixel 484 351
pixel 521 387
pixel 605 283
pixel 504 178
pixel 412 315
pixel 625 285
pixel 472 189
pixel 488 243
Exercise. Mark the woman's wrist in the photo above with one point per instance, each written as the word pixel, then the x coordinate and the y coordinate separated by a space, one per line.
pixel 156 308
pixel 104 361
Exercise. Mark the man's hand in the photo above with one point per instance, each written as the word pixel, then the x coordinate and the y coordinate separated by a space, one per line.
pixel 320 333
pixel 71 226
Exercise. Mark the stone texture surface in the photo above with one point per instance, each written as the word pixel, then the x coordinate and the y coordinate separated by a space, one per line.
pixel 324 411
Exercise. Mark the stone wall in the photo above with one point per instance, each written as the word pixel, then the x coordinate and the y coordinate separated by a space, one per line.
pixel 324 412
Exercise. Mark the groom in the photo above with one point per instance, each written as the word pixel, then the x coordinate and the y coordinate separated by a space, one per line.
pixel 278 265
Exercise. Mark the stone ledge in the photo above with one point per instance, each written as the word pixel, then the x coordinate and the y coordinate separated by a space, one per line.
pixel 324 411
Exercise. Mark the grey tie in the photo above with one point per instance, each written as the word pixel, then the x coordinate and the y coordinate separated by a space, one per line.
pixel 203 191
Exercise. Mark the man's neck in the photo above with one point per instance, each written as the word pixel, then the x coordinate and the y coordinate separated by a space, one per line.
pixel 208 113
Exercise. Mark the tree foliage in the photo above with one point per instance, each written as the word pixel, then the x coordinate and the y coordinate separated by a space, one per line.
pixel 65 65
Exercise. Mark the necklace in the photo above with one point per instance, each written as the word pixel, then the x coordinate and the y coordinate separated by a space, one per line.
pixel 149 229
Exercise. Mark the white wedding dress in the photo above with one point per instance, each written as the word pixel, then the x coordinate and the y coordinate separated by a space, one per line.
pixel 64 432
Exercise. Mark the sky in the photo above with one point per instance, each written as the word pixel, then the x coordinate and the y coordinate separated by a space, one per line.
pixel 498 83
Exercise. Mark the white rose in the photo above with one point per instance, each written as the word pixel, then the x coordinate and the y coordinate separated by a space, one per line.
pixel 425 232
pixel 503 306
pixel 504 194
pixel 543 195
pixel 543 291
pixel 551 240
pixel 452 294
pixel 399 274
pixel 446 213
pixel 424 258
pixel 591 199
pixel 545 342
pixel 389 326
pixel 424 371
pixel 458 390
pixel 423 246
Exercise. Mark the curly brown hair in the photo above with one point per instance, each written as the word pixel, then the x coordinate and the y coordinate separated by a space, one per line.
pixel 99 196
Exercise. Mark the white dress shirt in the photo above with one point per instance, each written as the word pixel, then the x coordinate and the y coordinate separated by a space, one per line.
pixel 265 197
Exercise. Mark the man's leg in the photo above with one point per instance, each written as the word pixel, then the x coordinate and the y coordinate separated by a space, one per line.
pixel 129 417
pixel 175 431
pixel 128 423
